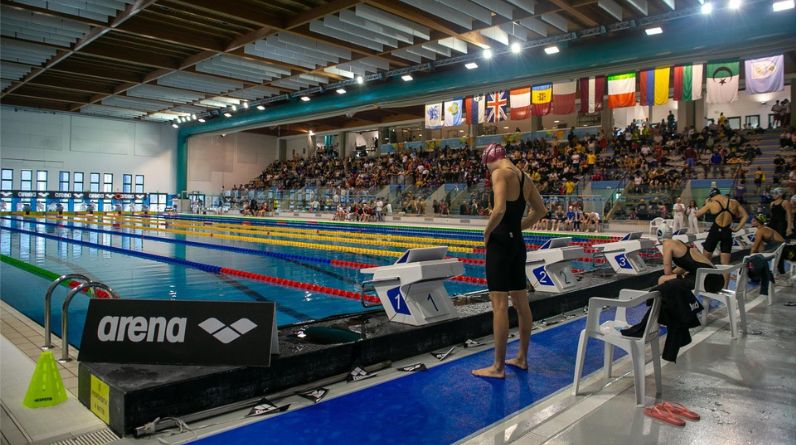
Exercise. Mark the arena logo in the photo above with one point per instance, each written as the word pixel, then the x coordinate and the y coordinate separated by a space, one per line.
pixel 141 329
pixel 225 333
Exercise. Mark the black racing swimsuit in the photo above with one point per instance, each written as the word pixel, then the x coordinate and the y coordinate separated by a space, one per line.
pixel 713 283
pixel 777 218
pixel 505 251
pixel 720 235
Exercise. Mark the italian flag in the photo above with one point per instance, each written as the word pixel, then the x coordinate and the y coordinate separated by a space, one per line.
pixel 687 82
pixel 722 82
pixel 622 90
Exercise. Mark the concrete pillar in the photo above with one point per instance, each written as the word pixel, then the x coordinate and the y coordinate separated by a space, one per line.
pixel 699 114
pixel 536 123
pixel 607 118
pixel 341 136
pixel 282 150
pixel 685 114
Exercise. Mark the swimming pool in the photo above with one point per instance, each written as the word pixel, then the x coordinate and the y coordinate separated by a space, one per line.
pixel 310 269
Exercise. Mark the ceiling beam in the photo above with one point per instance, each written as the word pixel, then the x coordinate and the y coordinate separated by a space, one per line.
pixel 236 10
pixel 130 55
pixel 83 86
pixel 90 70
pixel 166 34
pixel 24 101
pixel 581 17
pixel 318 12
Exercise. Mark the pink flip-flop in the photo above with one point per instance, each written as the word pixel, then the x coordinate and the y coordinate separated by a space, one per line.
pixel 677 409
pixel 659 413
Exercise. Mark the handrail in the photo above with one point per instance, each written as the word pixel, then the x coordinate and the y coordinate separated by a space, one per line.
pixel 48 298
pixel 65 314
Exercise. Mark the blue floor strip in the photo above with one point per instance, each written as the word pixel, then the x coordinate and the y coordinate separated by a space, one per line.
pixel 438 406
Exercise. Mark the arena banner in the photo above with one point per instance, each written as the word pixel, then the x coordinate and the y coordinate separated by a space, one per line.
pixel 168 332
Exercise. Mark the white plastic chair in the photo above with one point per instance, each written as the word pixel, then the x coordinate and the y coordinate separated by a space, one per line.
pixel 732 299
pixel 774 262
pixel 654 225
pixel 609 332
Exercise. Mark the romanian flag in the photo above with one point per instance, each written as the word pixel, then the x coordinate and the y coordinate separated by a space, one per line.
pixel 654 86
pixel 564 94
pixel 541 97
pixel 622 90
pixel 687 82
pixel 520 103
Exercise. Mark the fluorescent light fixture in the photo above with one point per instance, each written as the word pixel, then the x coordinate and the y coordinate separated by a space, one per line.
pixel 654 31
pixel 233 107
pixel 201 120
pixel 260 107
pixel 516 47
pixel 245 105
pixel 305 98
pixel 407 77
pixel 734 4
pixel 360 80
pixel 471 65
pixel 505 128
pixel 460 131
pixel 487 53
pixel 341 91
pixel 783 5
pixel 311 132
pixel 551 50
pixel 227 114
pixel 174 125
pixel 555 122
pixel 194 117
pixel 707 8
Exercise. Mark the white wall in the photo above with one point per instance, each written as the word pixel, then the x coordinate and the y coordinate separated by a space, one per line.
pixel 31 140
pixel 748 105
pixel 216 161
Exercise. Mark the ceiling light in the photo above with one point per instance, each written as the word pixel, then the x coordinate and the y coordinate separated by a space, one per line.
pixel 194 117
pixel 201 120
pixel 311 132
pixel 407 77
pixel 487 53
pixel 505 128
pixel 654 31
pixel 707 8
pixel 516 47
pixel 471 65
pixel 233 107
pixel 227 114
pixel 551 50
pixel 305 98
pixel 341 91
pixel 783 5
pixel 734 4
pixel 174 125
pixel 245 105
pixel 360 80
pixel 260 107
pixel 555 122
pixel 460 131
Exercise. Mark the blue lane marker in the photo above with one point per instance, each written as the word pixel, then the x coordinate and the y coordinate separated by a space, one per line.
pixel 439 406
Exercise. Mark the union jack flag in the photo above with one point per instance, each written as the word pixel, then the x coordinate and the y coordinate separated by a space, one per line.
pixel 497 106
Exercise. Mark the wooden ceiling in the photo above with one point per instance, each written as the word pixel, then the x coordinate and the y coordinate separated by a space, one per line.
pixel 161 59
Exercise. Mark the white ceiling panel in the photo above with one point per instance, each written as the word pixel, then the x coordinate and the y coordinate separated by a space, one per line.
pixel 14 71
pixel 148 91
pixel 442 11
pixel 103 110
pixel 254 93
pixel 24 52
pixel 398 23
pixel 199 82
pixel 319 27
pixel 135 103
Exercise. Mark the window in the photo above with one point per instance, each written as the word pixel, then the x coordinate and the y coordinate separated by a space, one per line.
pixel 753 121
pixel 41 180
pixel 158 202
pixel 63 181
pixel 26 180
pixel 735 123
pixel 77 185
pixel 773 121
pixel 94 182
pixel 7 179
pixel 108 182
pixel 126 183
pixel 139 184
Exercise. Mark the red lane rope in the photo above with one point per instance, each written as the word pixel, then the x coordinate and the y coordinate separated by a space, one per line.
pixel 298 285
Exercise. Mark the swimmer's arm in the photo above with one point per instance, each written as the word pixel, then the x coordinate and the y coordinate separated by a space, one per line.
pixel 756 247
pixel 499 189
pixel 537 210
pixel 702 210
pixel 788 210
pixel 743 215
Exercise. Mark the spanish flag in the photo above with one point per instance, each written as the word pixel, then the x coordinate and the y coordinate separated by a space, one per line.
pixel 541 98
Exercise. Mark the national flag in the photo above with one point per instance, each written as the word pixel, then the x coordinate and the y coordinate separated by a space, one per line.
pixel 453 113
pixel 687 82
pixel 497 106
pixel 722 82
pixel 592 91
pixel 433 116
pixel 541 98
pixel 564 94
pixel 654 86
pixel 764 75
pixel 474 110
pixel 520 103
pixel 622 90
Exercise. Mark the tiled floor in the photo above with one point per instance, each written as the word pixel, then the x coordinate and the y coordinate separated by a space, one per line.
pixel 28 336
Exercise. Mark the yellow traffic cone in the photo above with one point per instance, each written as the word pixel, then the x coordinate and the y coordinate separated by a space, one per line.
pixel 46 387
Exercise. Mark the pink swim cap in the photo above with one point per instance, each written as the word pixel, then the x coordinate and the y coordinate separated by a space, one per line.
pixel 492 153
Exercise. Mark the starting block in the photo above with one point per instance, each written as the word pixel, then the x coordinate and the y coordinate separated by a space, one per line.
pixel 682 236
pixel 623 255
pixel 744 238
pixel 412 289
pixel 549 268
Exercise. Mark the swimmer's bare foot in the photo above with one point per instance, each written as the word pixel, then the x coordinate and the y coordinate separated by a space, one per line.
pixel 518 363
pixel 490 372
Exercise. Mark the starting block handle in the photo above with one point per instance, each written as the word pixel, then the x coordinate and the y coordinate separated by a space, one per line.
pixel 369 286
pixel 535 262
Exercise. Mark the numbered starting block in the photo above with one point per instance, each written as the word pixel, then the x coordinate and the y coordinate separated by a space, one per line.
pixel 623 255
pixel 549 268
pixel 412 289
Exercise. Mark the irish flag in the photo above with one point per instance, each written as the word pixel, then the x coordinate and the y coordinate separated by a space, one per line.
pixel 520 103
pixel 687 82
pixel 722 82
pixel 622 90
pixel 564 97
pixel 654 86
pixel 541 96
